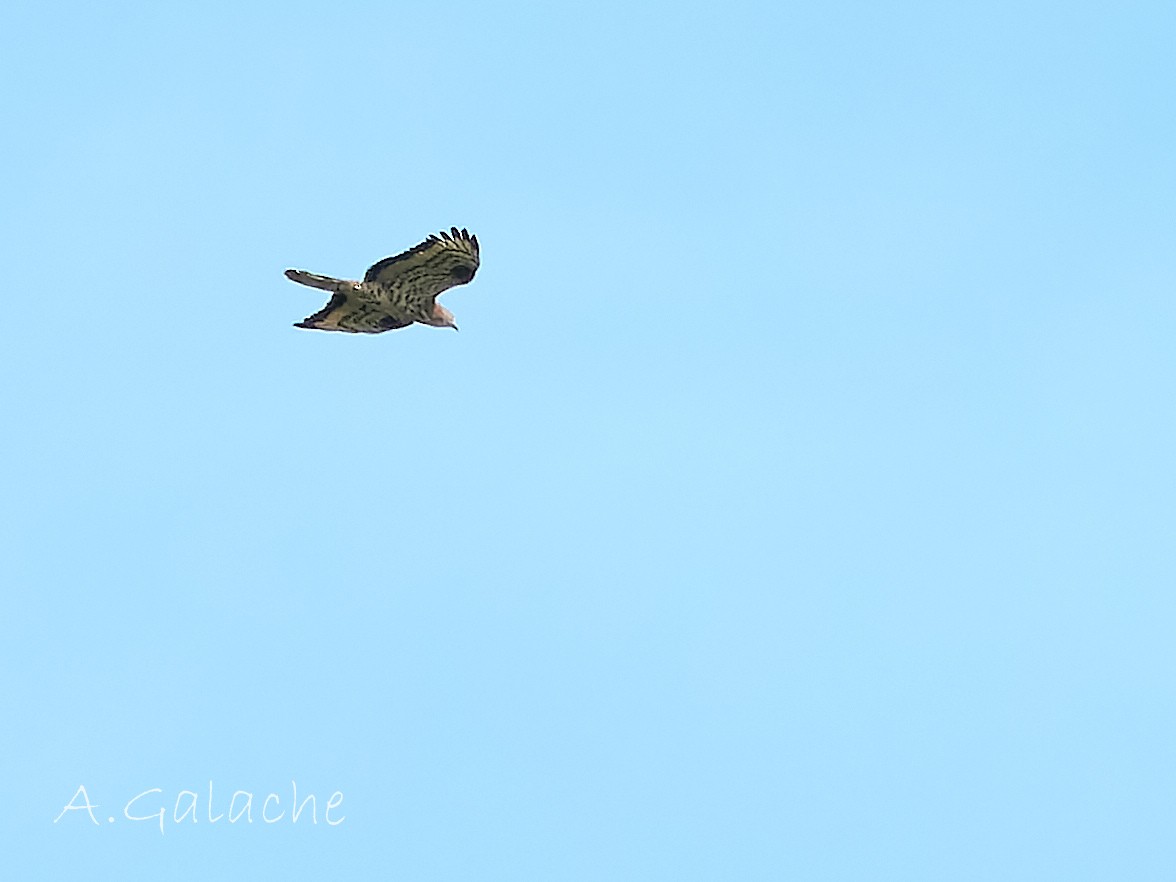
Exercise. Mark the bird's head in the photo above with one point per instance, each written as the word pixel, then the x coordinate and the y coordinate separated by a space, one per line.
pixel 442 317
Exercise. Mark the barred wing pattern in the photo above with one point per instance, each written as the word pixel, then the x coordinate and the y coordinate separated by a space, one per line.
pixel 439 262
pixel 354 316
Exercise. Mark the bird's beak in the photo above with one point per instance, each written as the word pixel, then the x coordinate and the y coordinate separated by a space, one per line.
pixel 455 327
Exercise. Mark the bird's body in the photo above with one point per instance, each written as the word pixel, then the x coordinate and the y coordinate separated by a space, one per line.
pixel 397 291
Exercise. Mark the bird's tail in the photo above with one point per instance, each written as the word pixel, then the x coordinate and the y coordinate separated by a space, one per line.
pixel 302 277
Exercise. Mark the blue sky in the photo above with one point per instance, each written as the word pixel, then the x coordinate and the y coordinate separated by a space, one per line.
pixel 795 503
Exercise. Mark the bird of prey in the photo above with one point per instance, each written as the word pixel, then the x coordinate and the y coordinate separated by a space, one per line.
pixel 398 290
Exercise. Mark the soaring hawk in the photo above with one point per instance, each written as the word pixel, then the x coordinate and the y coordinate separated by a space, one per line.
pixel 398 290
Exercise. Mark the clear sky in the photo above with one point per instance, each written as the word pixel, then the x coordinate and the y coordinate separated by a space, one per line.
pixel 796 501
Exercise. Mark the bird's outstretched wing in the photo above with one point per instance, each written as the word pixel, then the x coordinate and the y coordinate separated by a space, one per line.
pixel 437 264
pixel 353 316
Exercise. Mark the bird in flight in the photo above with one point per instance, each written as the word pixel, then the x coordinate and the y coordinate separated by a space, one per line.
pixel 398 290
